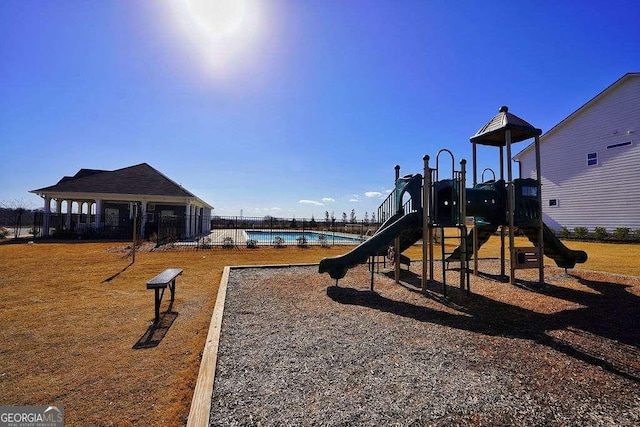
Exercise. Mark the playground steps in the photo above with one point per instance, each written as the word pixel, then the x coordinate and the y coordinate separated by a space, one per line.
pixel 484 233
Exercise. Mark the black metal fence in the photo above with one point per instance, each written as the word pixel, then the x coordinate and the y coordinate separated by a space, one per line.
pixel 79 226
pixel 154 227
pixel 253 232
pixel 198 232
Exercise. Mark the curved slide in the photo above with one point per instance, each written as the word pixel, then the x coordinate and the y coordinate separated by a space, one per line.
pixel 394 227
pixel 554 248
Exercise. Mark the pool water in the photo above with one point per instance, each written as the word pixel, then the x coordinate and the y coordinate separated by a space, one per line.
pixel 292 237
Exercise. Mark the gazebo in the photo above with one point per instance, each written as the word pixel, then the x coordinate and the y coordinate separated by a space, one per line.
pixel 105 201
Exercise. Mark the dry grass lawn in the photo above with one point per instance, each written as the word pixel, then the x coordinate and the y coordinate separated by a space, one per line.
pixel 67 333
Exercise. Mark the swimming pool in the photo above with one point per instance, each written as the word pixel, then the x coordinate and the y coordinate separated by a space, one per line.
pixel 292 237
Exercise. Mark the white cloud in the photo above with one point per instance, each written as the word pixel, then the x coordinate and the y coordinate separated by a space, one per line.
pixel 373 194
pixel 328 199
pixel 311 202
pixel 263 210
pixel 355 198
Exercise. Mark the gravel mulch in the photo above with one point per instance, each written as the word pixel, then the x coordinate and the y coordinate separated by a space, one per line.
pixel 296 350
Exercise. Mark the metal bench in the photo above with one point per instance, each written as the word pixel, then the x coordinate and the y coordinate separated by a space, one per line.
pixel 160 282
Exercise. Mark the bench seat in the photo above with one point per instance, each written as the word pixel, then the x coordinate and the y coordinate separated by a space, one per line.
pixel 160 282
pixel 164 278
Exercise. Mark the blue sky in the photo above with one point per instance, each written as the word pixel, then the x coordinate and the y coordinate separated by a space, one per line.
pixel 288 108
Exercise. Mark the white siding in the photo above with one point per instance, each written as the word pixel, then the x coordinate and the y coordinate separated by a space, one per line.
pixel 607 194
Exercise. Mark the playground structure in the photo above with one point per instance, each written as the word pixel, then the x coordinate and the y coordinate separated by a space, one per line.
pixel 503 205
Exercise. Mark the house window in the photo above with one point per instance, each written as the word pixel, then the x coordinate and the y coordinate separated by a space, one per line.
pixel 592 159
pixel 553 203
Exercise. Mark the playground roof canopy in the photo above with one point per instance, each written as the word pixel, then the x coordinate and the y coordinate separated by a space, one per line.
pixel 494 132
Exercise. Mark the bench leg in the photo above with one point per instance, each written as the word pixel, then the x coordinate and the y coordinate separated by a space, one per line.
pixel 172 288
pixel 157 304
pixel 157 300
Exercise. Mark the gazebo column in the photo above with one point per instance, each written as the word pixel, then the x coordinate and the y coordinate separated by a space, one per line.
pixel 69 207
pixel 89 207
pixel 193 221
pixel 46 216
pixel 80 209
pixel 198 224
pixel 203 221
pixel 143 217
pixel 59 215
pixel 206 221
pixel 98 213
pixel 187 220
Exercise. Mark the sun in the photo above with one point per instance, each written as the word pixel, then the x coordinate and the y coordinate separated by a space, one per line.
pixel 222 37
pixel 218 18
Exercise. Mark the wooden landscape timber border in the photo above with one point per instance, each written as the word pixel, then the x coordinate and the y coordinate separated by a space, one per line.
pixel 201 403
pixel 200 410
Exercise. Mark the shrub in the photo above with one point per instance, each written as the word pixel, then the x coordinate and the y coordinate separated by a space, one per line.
pixel 564 232
pixel 580 232
pixel 323 241
pixel 302 242
pixel 227 243
pixel 278 242
pixel 637 234
pixel 252 244
pixel 205 243
pixel 600 233
pixel 621 233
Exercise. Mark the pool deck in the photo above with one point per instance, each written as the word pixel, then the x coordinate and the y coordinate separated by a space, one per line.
pixel 239 236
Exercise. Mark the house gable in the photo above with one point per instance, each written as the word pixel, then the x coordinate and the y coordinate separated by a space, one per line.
pixel 589 162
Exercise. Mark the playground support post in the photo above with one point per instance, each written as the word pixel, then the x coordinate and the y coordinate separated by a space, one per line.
pixel 502 257
pixel 475 167
pixel 510 203
pixel 396 242
pixel 475 249
pixel 540 219
pixel 372 266
pixel 426 226
pixel 464 260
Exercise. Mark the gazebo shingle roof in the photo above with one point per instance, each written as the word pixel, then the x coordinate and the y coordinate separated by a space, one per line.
pixel 140 179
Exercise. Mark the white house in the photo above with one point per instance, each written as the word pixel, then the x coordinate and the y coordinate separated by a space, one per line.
pixel 590 162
